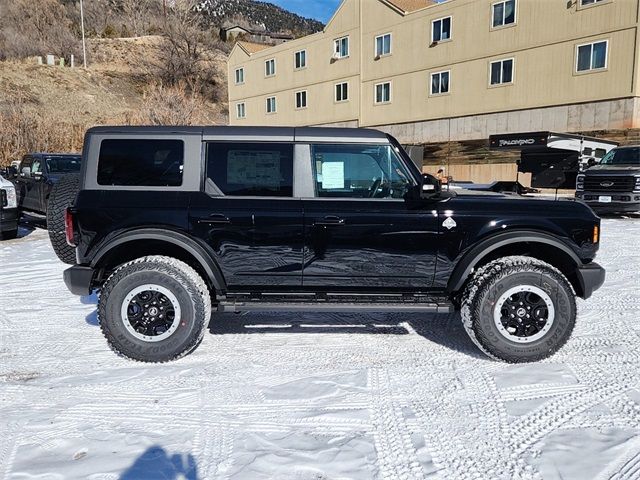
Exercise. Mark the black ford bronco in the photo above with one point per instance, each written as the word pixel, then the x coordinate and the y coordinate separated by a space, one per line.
pixel 170 223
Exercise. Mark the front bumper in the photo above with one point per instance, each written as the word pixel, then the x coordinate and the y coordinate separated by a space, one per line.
pixel 620 201
pixel 79 280
pixel 590 277
pixel 8 219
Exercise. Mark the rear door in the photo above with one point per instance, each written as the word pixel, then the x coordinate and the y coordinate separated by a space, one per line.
pixel 360 232
pixel 248 215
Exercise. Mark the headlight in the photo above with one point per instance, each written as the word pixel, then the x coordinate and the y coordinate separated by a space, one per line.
pixel 580 182
pixel 10 199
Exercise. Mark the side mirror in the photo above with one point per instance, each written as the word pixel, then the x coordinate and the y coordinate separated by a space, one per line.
pixel 591 162
pixel 430 188
pixel 26 172
pixel 12 171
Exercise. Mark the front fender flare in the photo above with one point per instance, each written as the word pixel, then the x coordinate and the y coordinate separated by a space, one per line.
pixel 468 262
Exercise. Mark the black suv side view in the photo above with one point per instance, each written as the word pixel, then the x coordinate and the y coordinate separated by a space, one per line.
pixel 172 223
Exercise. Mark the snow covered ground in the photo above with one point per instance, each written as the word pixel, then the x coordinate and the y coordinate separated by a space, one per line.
pixel 273 396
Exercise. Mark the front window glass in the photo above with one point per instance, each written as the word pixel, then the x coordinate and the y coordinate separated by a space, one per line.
pixel 360 171
pixel 145 163
pixel 623 156
pixel 251 169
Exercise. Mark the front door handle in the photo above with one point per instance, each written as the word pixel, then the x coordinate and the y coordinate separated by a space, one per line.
pixel 330 221
pixel 215 219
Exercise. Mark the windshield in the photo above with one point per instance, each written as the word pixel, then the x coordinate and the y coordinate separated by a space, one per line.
pixel 63 164
pixel 623 156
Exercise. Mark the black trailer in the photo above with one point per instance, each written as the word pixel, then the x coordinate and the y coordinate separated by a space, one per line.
pixel 553 159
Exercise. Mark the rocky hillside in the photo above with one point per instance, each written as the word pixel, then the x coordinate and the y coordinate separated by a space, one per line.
pixel 267 15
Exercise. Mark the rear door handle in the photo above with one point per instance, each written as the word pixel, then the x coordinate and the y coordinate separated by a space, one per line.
pixel 215 219
pixel 330 221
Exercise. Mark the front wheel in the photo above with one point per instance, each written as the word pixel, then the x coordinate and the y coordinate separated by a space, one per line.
pixel 519 309
pixel 154 309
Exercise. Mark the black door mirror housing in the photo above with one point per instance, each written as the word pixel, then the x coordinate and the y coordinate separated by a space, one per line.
pixel 430 187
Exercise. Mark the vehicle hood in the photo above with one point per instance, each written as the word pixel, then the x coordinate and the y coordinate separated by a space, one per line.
pixel 613 170
pixel 5 183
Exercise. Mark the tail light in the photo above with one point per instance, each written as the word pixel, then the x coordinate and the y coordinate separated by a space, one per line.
pixel 68 228
pixel 596 234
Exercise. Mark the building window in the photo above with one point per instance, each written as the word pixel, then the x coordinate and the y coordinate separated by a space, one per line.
pixel 270 67
pixel 301 99
pixel 383 45
pixel 239 76
pixel 441 30
pixel 271 105
pixel 342 92
pixel 241 110
pixel 341 47
pixel 504 13
pixel 584 3
pixel 383 92
pixel 502 72
pixel 592 56
pixel 440 83
pixel 300 59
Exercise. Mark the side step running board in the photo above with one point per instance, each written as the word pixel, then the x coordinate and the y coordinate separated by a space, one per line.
pixel 262 306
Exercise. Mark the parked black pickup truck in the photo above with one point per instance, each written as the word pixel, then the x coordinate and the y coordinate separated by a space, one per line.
pixel 36 176
pixel 172 223
pixel 613 185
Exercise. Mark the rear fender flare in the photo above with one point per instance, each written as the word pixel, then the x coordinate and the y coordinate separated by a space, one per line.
pixel 193 248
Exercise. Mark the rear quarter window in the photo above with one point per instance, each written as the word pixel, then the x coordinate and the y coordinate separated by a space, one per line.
pixel 251 169
pixel 141 163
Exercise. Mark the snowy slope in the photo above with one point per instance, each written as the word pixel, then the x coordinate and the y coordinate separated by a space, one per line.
pixel 272 396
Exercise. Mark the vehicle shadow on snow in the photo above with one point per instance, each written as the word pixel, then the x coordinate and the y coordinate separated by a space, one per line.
pixel 444 329
pixel 156 463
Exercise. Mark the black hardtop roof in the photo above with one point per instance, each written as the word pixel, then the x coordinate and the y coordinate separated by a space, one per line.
pixel 295 132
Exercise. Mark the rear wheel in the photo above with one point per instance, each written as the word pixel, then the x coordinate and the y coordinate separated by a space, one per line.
pixel 154 309
pixel 63 196
pixel 519 309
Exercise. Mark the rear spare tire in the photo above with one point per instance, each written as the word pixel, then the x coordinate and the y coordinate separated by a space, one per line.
pixel 519 309
pixel 154 309
pixel 63 195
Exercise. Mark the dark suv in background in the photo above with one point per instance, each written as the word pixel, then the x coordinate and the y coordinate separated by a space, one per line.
pixel 613 185
pixel 172 223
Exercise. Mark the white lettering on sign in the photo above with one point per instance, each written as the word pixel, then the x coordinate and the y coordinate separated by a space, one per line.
pixel 518 142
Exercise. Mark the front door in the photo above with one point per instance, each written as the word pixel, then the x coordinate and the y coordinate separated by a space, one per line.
pixel 360 232
pixel 248 217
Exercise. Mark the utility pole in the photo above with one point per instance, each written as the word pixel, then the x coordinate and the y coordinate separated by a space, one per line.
pixel 84 43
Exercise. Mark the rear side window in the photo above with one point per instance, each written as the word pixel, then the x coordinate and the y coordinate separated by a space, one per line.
pixel 141 163
pixel 251 169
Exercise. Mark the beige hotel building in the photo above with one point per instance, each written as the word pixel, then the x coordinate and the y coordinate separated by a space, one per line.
pixel 452 70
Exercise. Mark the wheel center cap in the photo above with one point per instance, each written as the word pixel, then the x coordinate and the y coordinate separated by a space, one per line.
pixel 153 311
pixel 521 312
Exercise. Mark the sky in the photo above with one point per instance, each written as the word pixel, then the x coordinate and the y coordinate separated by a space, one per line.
pixel 319 9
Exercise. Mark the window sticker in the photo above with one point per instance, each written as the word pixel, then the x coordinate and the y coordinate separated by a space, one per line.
pixel 333 175
pixel 254 168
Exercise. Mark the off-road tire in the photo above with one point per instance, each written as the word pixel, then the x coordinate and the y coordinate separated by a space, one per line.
pixel 485 289
pixel 182 281
pixel 63 195
pixel 9 234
